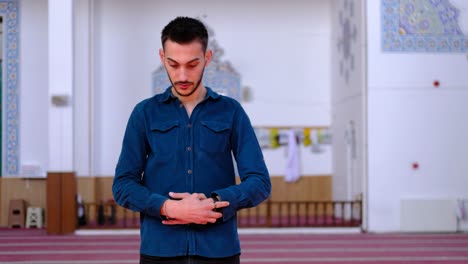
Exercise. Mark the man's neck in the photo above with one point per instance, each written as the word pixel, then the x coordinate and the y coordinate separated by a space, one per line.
pixel 191 101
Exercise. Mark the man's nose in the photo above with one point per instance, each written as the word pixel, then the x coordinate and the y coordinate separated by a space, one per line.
pixel 183 74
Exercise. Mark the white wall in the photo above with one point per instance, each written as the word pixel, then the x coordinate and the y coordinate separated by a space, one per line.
pixel 281 49
pixel 284 61
pixel 33 83
pixel 411 121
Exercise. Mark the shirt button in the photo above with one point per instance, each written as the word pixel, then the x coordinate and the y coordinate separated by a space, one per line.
pixel 181 105
pixel 189 125
pixel 189 171
pixel 189 148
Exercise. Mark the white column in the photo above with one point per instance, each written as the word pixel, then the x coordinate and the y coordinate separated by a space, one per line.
pixel 61 85
pixel 83 87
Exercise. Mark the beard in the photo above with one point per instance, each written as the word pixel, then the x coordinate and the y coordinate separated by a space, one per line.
pixel 197 84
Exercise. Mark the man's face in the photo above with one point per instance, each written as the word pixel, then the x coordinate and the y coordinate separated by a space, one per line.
pixel 184 64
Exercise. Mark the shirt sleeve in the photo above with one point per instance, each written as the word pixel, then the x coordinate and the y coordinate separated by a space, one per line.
pixel 127 186
pixel 255 186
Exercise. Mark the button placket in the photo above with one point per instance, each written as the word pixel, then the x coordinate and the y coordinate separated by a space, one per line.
pixel 189 149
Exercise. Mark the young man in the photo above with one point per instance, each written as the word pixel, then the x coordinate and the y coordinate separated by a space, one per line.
pixel 176 165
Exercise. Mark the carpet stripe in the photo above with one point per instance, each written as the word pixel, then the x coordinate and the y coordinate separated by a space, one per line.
pixel 36 247
pixel 91 249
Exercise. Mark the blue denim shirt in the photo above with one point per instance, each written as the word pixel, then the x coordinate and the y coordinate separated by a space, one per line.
pixel 165 150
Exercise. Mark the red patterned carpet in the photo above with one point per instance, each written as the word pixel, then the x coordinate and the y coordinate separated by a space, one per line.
pixel 36 247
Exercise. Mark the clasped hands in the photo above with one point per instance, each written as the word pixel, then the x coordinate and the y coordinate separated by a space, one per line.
pixel 191 208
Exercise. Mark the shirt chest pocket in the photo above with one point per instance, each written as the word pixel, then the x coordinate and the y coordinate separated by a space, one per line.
pixel 164 137
pixel 214 136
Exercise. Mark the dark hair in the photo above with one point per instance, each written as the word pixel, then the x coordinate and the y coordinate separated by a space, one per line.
pixel 184 30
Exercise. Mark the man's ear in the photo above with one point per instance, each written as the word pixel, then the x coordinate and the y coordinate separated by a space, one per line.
pixel 208 56
pixel 161 55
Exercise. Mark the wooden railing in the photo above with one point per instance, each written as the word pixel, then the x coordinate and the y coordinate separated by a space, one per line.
pixel 268 214
pixel 303 214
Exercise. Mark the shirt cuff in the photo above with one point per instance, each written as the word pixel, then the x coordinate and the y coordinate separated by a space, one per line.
pixel 153 206
pixel 228 196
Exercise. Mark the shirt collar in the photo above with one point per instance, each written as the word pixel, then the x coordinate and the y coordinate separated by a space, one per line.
pixel 210 93
pixel 168 96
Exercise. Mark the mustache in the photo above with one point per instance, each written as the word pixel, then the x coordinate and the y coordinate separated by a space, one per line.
pixel 183 82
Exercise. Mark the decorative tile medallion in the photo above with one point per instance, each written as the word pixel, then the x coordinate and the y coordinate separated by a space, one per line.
pixel 424 25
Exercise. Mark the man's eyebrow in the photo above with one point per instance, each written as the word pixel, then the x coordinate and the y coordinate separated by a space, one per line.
pixel 196 59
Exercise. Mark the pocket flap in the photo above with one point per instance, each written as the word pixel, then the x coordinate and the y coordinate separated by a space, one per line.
pixel 216 126
pixel 164 126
